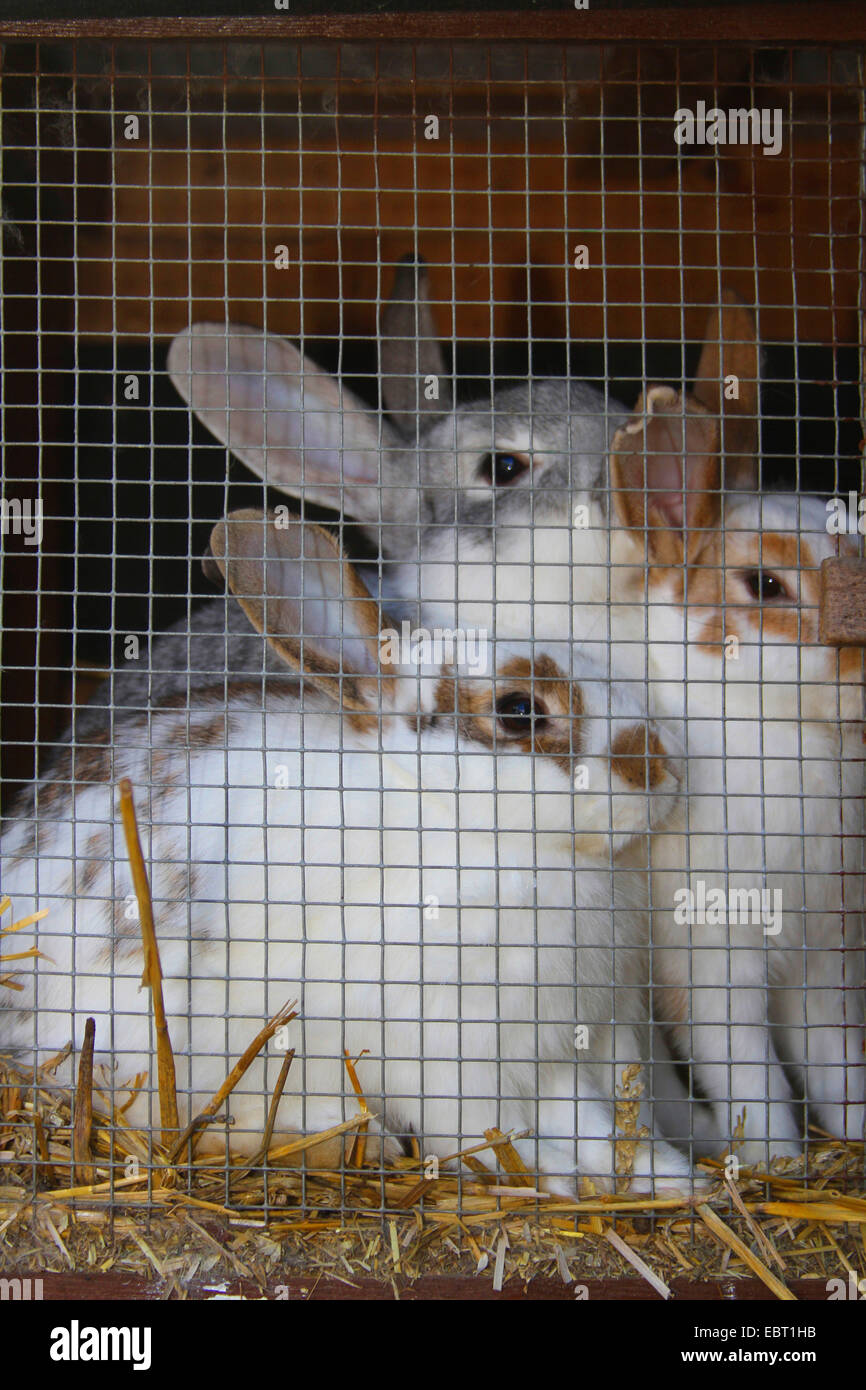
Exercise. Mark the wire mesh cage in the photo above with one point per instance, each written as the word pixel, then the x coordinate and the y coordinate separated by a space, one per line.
pixel 422 462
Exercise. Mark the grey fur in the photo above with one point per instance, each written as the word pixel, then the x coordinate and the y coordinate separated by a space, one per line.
pixel 214 640
pixel 410 351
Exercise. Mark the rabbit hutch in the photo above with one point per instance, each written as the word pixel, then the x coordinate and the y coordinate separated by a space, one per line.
pixel 246 261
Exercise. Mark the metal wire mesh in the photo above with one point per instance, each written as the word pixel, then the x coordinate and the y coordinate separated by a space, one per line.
pixel 327 824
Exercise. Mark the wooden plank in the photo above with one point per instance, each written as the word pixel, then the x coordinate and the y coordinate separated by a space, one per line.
pixel 843 602
pixel 317 1287
pixel 194 236
pixel 833 21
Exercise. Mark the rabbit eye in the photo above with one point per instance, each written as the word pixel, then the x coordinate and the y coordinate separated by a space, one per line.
pixel 520 713
pixel 502 469
pixel 764 586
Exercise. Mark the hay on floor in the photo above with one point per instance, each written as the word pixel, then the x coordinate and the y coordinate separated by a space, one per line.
pixel 80 1190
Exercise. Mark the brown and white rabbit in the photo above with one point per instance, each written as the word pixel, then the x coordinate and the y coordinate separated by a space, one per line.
pixel 423 854
pixel 775 781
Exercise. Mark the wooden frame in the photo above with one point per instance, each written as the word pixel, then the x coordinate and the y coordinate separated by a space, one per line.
pixel 90 1287
pixel 837 22
pixel 834 21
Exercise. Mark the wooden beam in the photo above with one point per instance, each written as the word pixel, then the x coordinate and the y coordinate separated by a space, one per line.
pixel 833 21
pixel 441 1287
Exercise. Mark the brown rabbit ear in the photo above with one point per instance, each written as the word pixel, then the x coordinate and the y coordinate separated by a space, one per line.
pixel 211 570
pixel 410 349
pixel 304 598
pixel 665 476
pixel 731 351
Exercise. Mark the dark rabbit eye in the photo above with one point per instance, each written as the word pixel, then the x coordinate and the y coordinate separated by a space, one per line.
pixel 502 469
pixel 519 713
pixel 764 586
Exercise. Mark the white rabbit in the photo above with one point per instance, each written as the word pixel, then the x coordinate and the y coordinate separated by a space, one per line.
pixel 295 844
pixel 502 551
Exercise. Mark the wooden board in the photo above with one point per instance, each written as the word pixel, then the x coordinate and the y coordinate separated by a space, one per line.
pixel 316 1286
pixel 192 235
pixel 842 21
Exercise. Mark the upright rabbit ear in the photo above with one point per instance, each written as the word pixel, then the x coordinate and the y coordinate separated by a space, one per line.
pixel 282 416
pixel 410 350
pixel 727 384
pixel 665 476
pixel 306 600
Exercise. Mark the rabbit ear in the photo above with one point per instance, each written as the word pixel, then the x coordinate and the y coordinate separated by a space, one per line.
pixel 211 570
pixel 665 475
pixel 410 350
pixel 300 593
pixel 731 351
pixel 282 416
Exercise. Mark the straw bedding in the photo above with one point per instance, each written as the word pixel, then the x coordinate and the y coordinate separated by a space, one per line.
pixel 80 1190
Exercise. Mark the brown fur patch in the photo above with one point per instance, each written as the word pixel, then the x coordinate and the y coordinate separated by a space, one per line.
pixel 91 761
pixel 637 755
pixel 27 848
pixel 474 701
pixel 123 928
pixel 778 622
pixel 124 943
pixel 362 723
pixel 92 863
pixel 778 550
pixel 195 881
pixel 672 1004
pixel 176 885
pixel 544 676
pixel 791 619
pixel 851 663
pixel 730 610
pixel 87 762
pixel 445 694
